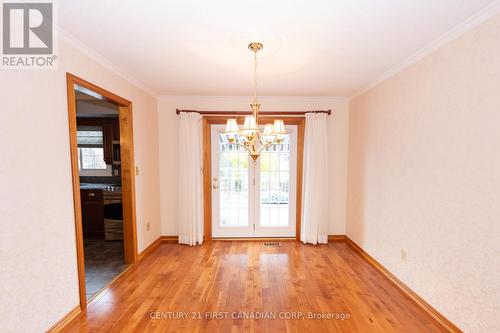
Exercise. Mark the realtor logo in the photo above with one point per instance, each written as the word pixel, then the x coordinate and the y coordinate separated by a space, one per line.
pixel 27 35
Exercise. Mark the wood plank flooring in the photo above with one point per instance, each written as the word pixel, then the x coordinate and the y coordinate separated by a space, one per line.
pixel 252 288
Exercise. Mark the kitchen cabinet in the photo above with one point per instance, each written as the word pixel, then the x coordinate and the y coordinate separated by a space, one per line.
pixel 116 130
pixel 92 213
pixel 108 141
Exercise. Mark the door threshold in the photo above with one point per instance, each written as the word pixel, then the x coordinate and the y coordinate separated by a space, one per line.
pixel 104 290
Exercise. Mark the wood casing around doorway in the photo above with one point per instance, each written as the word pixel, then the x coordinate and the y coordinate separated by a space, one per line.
pixel 208 121
pixel 127 171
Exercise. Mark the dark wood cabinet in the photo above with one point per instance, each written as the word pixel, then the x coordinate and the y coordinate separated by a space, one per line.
pixel 108 141
pixel 92 214
pixel 116 130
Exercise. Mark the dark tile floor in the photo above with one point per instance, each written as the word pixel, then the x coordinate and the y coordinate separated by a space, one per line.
pixel 103 262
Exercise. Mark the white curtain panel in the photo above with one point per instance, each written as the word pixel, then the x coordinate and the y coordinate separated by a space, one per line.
pixel 190 179
pixel 314 227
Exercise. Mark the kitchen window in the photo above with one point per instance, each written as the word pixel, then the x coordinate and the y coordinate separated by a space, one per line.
pixel 90 141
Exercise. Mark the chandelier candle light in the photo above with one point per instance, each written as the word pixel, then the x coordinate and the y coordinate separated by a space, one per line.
pixel 249 137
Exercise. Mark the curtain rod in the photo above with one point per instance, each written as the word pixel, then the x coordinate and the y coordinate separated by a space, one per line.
pixel 269 113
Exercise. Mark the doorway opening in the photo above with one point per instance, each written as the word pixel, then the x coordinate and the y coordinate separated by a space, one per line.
pixel 101 142
pixel 247 199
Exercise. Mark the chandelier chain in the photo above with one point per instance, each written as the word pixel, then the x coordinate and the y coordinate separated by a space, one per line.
pixel 255 77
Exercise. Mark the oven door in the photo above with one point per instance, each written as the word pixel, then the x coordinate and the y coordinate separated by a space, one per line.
pixel 113 215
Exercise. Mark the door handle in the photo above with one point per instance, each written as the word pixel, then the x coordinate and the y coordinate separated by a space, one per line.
pixel 215 187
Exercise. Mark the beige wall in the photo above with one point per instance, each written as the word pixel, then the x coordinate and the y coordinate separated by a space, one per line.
pixel 424 177
pixel 168 124
pixel 37 239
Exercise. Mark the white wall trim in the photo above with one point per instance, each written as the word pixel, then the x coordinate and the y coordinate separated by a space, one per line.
pixel 103 61
pixel 261 97
pixel 472 22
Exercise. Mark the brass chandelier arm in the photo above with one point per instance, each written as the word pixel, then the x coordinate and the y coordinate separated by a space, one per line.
pixel 260 139
pixel 264 144
pixel 245 147
pixel 256 151
pixel 251 148
pixel 264 147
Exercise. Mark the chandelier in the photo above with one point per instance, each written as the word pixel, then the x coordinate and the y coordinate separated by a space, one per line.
pixel 249 136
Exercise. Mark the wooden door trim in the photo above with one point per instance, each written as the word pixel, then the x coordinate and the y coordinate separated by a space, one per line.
pixel 208 121
pixel 128 179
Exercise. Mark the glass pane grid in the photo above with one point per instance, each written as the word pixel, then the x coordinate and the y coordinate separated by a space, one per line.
pixel 233 180
pixel 274 185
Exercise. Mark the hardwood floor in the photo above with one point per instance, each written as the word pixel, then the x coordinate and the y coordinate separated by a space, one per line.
pixel 240 278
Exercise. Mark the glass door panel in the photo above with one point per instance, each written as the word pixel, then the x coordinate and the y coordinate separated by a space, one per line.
pixel 253 199
pixel 276 193
pixel 231 194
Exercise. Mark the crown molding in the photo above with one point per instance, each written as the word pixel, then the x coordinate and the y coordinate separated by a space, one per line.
pixel 457 31
pixel 261 97
pixel 103 61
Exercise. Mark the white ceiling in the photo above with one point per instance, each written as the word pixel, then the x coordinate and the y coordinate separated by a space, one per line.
pixel 90 106
pixel 315 47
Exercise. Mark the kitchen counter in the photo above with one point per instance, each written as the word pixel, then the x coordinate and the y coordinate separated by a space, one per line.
pixel 103 187
pixel 102 215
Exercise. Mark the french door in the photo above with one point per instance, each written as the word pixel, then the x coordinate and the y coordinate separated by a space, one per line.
pixel 253 199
